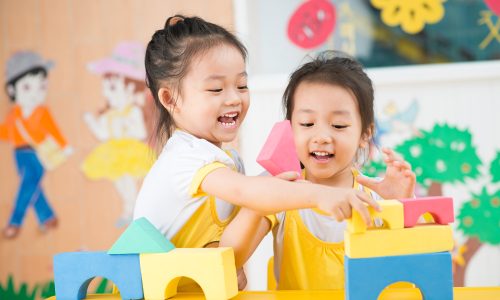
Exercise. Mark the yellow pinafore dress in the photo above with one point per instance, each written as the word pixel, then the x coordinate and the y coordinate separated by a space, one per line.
pixel 308 263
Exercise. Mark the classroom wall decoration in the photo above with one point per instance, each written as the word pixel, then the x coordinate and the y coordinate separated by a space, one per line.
pixel 312 23
pixel 412 16
pixel 122 156
pixel 378 33
pixel 446 155
pixel 38 143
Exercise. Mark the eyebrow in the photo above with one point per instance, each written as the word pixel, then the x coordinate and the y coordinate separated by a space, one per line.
pixel 335 112
pixel 221 77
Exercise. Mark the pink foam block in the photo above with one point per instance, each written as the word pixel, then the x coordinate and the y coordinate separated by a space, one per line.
pixel 278 154
pixel 441 209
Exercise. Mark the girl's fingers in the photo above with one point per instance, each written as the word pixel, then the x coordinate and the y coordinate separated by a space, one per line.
pixel 338 214
pixel 290 176
pixel 366 181
pixel 346 210
pixel 370 201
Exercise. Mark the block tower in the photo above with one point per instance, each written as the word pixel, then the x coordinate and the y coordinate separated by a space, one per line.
pixel 399 249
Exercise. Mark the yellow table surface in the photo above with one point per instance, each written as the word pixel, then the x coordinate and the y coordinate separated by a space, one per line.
pixel 460 293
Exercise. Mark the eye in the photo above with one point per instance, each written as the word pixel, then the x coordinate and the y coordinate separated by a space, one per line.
pixel 339 126
pixel 244 87
pixel 306 124
pixel 215 90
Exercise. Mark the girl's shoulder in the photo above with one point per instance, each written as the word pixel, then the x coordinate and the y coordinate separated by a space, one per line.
pixel 184 147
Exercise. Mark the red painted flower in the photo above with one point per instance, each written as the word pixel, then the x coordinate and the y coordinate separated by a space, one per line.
pixel 494 5
pixel 312 23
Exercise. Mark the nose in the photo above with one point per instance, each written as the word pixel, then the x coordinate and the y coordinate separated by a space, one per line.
pixel 322 137
pixel 233 99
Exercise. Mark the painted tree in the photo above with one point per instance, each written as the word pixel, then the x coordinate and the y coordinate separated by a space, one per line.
pixel 479 220
pixel 495 168
pixel 444 154
pixel 374 168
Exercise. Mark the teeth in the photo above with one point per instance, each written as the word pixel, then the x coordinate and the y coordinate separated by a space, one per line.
pixel 232 115
pixel 228 124
pixel 319 153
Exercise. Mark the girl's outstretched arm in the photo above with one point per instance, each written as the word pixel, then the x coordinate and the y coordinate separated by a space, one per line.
pixel 268 195
pixel 248 229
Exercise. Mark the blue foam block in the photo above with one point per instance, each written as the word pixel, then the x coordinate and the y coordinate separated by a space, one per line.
pixel 73 271
pixel 365 278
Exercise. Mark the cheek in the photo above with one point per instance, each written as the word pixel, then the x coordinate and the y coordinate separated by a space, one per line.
pixel 301 143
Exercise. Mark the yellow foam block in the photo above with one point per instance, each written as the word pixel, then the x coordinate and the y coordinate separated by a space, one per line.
pixel 212 268
pixel 385 242
pixel 391 214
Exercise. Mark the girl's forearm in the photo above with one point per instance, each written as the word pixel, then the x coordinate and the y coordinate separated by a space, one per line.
pixel 265 195
pixel 244 234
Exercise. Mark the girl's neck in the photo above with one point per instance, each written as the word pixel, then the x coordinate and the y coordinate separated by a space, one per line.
pixel 218 144
pixel 343 178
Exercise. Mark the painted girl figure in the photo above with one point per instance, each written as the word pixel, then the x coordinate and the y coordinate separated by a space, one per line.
pixel 122 156
pixel 29 126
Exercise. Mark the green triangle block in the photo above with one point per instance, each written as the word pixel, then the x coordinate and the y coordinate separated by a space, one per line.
pixel 141 237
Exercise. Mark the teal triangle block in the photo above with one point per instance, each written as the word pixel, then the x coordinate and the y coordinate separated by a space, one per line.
pixel 141 237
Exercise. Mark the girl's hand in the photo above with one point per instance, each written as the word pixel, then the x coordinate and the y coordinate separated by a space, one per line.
pixel 399 181
pixel 291 176
pixel 341 202
pixel 242 279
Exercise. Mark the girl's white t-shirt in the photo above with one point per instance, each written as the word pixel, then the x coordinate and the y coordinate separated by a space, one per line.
pixel 165 198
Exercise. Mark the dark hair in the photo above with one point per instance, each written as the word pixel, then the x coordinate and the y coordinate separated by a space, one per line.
pixel 335 68
pixel 169 54
pixel 13 81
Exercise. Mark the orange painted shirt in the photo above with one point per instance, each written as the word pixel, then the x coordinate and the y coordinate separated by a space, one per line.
pixel 39 124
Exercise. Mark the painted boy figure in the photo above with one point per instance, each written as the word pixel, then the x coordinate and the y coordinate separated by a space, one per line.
pixel 27 124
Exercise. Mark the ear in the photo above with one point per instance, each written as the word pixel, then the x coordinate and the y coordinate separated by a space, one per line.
pixel 166 98
pixel 10 91
pixel 366 137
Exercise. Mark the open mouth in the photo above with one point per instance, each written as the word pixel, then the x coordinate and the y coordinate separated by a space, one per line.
pixel 229 119
pixel 321 155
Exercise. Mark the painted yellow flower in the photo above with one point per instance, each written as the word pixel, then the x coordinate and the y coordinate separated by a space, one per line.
pixel 412 15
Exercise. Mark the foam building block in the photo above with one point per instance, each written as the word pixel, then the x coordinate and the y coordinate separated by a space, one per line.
pixel 391 214
pixel 384 242
pixel 367 277
pixel 278 154
pixel 441 209
pixel 212 268
pixel 141 237
pixel 73 271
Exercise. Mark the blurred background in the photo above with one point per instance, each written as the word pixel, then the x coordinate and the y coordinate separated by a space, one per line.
pixel 435 66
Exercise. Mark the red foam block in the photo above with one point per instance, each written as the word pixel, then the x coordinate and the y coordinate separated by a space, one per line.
pixel 278 154
pixel 441 209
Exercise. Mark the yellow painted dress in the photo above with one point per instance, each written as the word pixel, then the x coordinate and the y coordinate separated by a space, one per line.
pixel 118 156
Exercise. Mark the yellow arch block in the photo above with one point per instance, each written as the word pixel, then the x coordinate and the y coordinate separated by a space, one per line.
pixel 392 215
pixel 212 268
pixel 384 242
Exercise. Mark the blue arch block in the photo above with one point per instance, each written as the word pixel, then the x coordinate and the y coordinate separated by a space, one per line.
pixel 365 278
pixel 73 271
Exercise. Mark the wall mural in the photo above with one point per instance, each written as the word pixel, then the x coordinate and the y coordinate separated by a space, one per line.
pixel 410 15
pixel 446 155
pixel 38 144
pixel 122 155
